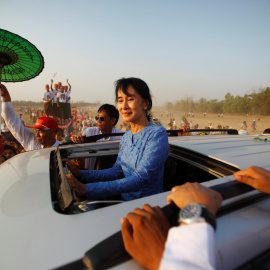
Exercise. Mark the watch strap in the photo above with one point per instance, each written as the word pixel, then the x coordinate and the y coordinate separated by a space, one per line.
pixel 208 216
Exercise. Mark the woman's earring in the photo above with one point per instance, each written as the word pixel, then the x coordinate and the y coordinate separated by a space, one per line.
pixel 145 108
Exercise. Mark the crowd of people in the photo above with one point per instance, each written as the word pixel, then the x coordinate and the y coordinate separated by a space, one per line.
pixel 57 102
pixel 137 172
pixel 187 126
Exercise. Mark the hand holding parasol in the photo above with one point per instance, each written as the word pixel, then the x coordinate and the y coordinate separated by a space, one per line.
pixel 20 60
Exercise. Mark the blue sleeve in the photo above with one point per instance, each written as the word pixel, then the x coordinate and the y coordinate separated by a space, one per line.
pixel 111 188
pixel 150 166
pixel 88 176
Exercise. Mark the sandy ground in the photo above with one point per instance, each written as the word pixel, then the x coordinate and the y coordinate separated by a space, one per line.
pixel 232 120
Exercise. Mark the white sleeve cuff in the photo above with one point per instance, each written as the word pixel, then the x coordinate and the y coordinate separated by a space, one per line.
pixel 190 247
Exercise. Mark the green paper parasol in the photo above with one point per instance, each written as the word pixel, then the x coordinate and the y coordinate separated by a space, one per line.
pixel 20 60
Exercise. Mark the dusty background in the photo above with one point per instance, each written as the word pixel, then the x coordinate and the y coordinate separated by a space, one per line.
pixel 231 120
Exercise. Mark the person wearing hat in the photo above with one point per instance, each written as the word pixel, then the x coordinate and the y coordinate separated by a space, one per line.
pixel 46 127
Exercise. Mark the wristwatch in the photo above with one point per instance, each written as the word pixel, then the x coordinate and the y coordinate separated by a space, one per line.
pixel 194 213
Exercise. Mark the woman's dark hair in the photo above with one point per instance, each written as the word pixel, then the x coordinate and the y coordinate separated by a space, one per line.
pixel 111 111
pixel 140 87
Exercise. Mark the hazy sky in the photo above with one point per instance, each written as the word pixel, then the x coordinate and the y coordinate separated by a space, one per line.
pixel 192 48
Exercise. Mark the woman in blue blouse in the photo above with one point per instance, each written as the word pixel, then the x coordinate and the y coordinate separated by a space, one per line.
pixel 139 168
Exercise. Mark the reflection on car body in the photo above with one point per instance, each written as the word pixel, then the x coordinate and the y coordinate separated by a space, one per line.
pixel 44 233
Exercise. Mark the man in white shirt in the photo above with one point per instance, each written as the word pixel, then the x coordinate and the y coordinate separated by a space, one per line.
pixel 47 99
pixel 149 240
pixel 54 93
pixel 107 118
pixel 46 127
pixel 62 99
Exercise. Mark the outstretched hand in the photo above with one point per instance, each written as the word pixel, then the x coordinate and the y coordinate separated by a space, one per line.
pixel 256 177
pixel 144 234
pixel 195 193
pixel 5 94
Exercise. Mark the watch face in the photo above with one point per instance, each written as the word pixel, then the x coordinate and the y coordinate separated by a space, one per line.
pixel 190 213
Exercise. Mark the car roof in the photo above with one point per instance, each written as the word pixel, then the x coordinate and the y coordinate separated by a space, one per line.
pixel 240 151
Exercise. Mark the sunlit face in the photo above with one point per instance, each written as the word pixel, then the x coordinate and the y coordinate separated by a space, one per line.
pixel 8 153
pixel 105 122
pixel 45 137
pixel 131 106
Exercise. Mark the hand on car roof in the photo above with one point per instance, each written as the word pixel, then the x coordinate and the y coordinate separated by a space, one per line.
pixel 256 177
pixel 195 192
pixel 145 232
pixel 78 139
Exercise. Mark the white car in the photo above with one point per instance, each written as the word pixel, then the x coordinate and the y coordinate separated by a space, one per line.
pixel 43 227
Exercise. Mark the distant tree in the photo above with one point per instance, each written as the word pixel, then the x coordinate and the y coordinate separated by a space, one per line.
pixel 260 101
pixel 201 105
pixel 214 106
pixel 245 104
pixel 236 105
pixel 227 105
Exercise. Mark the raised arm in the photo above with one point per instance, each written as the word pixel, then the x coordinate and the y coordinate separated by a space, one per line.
pixel 14 123
pixel 69 86
pixel 52 85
